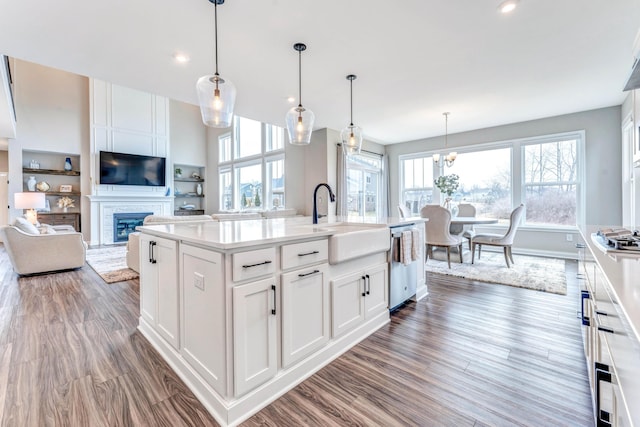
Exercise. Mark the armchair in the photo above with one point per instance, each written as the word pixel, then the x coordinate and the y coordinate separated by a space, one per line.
pixel 41 253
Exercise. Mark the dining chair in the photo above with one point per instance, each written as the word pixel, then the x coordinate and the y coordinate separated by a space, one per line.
pixel 404 211
pixel 467 210
pixel 437 231
pixel 505 240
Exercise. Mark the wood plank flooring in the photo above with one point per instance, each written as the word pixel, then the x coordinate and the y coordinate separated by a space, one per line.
pixel 472 354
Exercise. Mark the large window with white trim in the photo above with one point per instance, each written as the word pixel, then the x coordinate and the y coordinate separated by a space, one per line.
pixel 251 166
pixel 364 186
pixel 544 173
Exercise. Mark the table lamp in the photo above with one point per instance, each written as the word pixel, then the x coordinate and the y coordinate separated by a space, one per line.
pixel 30 201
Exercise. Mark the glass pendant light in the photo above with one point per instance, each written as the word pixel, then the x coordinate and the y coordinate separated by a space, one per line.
pixel 451 157
pixel 216 95
pixel 299 119
pixel 351 135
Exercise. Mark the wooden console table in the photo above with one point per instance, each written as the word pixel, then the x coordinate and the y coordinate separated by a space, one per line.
pixel 68 218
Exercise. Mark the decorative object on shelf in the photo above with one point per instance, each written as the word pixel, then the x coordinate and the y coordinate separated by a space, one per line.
pixel 67 164
pixel 31 183
pixel 43 186
pixel 351 135
pixel 448 184
pixel 199 189
pixel 65 202
pixel 196 175
pixel 451 157
pixel 66 188
pixel 34 164
pixel 167 192
pixel 300 120
pixel 46 209
pixel 178 173
pixel 215 94
pixel 30 202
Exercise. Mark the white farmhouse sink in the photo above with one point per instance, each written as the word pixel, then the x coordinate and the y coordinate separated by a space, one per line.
pixel 355 240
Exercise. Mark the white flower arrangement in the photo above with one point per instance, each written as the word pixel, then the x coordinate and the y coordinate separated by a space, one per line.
pixel 66 202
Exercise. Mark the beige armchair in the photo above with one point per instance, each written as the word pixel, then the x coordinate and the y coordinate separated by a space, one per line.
pixel 437 231
pixel 41 253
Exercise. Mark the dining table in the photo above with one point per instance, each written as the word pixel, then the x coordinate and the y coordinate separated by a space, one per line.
pixel 458 222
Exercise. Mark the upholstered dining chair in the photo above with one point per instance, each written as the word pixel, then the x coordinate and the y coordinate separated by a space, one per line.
pixel 467 210
pixel 404 211
pixel 505 240
pixel 437 231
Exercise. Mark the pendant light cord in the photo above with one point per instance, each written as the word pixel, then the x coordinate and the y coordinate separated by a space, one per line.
pixel 351 101
pixel 300 77
pixel 215 26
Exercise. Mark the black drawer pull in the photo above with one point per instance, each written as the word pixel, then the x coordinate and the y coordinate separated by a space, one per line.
pixel 308 274
pixel 602 313
pixel 602 374
pixel 583 296
pixel 273 288
pixel 309 253
pixel 606 329
pixel 255 265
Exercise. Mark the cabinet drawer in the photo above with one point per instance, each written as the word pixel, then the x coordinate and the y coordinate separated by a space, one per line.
pixel 250 264
pixel 305 253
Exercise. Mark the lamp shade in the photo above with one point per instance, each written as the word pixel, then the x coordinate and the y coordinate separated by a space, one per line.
pixel 216 97
pixel 300 125
pixel 29 200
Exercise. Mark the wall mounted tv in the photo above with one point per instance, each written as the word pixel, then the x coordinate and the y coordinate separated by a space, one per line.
pixel 132 169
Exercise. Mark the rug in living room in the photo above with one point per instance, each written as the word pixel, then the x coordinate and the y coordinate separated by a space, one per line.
pixel 110 262
pixel 537 273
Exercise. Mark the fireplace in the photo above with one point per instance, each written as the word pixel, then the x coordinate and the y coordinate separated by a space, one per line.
pixel 125 223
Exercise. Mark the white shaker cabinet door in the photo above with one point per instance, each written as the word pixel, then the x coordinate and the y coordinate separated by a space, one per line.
pixel 376 297
pixel 254 332
pixel 347 302
pixel 305 312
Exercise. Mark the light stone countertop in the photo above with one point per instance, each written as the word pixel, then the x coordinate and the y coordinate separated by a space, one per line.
pixel 228 235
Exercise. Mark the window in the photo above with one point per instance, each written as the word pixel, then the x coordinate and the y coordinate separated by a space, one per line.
pixel 251 166
pixel 416 182
pixel 364 186
pixel 485 181
pixel 551 182
pixel 544 173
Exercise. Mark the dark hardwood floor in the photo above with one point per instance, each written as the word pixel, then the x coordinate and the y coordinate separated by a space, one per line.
pixel 472 354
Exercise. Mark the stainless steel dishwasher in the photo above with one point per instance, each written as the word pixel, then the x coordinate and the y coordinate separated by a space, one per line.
pixel 402 278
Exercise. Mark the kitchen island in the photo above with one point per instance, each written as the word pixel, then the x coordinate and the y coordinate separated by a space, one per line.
pixel 243 311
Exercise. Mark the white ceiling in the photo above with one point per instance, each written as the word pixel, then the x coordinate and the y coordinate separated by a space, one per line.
pixel 414 58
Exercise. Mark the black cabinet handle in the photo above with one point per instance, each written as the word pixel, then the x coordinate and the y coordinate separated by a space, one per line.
pixel 580 245
pixel 308 274
pixel 368 284
pixel 606 329
pixel 152 258
pixel 309 253
pixel 255 265
pixel 602 374
pixel 602 313
pixel 583 296
pixel 273 310
pixel 364 292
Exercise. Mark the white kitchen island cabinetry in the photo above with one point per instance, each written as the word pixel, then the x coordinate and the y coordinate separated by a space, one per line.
pixel 159 285
pixel 358 296
pixel 255 308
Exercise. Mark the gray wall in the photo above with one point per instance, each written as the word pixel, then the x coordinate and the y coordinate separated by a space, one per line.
pixel 602 168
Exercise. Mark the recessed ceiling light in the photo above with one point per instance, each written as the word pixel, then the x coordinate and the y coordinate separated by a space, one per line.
pixel 291 100
pixel 181 58
pixel 508 6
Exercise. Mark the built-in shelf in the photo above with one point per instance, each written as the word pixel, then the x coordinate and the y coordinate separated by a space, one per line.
pixel 188 195
pixel 50 172
pixel 188 180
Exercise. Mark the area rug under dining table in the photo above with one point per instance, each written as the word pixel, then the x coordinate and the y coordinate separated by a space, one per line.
pixel 537 273
pixel 110 262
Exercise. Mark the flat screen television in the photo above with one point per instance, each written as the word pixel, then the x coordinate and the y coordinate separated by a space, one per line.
pixel 132 169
